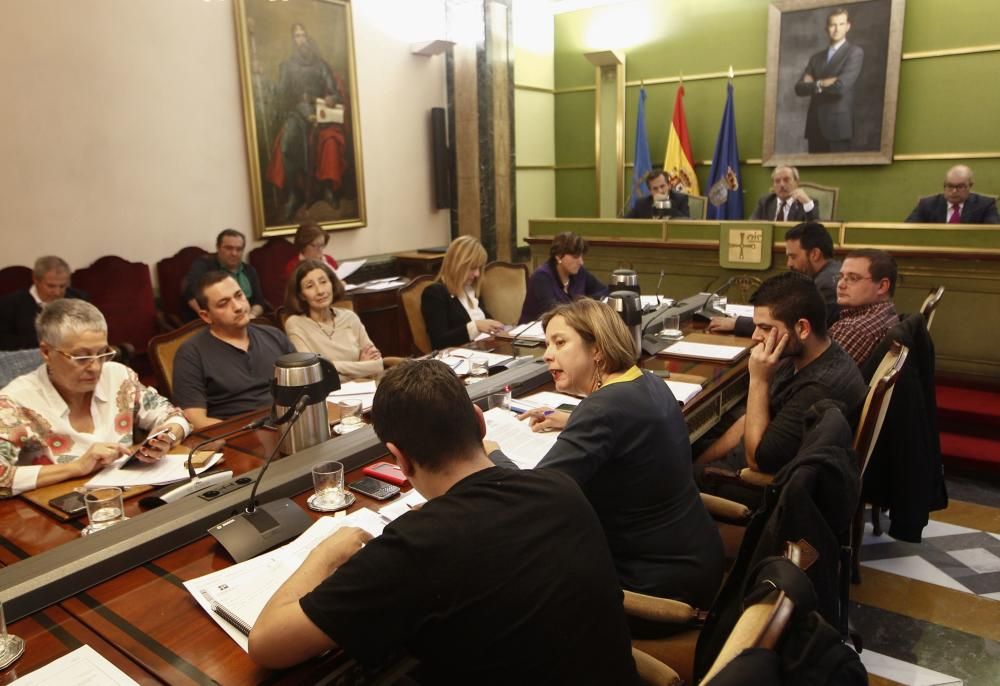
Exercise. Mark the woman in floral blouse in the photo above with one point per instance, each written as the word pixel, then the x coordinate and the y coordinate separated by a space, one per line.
pixel 77 412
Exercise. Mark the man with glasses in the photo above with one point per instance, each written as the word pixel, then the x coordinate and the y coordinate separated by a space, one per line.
pixel 957 204
pixel 230 245
pixel 865 286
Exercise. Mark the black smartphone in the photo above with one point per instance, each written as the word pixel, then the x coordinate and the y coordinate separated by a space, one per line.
pixel 373 488
pixel 71 503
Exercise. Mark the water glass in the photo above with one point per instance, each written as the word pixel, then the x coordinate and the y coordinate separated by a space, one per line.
pixel 479 368
pixel 105 507
pixel 501 400
pixel 672 327
pixel 350 414
pixel 328 480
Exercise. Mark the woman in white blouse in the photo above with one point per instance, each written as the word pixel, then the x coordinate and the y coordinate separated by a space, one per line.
pixel 316 326
pixel 78 411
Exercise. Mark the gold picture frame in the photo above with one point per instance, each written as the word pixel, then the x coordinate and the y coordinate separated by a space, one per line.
pixel 835 108
pixel 301 114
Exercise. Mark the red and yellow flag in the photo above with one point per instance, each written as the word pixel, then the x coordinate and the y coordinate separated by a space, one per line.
pixel 679 162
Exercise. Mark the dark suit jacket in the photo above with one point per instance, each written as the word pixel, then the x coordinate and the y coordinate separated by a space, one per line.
pixel 17 318
pixel 831 112
pixel 445 318
pixel 978 209
pixel 767 207
pixel 643 208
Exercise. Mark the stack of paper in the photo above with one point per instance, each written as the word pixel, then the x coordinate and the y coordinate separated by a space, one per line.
pixel 739 310
pixel 549 399
pixel 166 470
pixel 704 351
pixel 356 391
pixel 458 358
pixel 348 267
pixel 384 284
pixel 82 666
pixel 531 330
pixel 524 447
pixel 682 390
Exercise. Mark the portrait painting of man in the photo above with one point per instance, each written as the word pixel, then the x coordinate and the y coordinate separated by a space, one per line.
pixel 300 104
pixel 833 71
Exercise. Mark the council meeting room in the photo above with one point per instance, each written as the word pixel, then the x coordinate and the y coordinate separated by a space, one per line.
pixel 290 286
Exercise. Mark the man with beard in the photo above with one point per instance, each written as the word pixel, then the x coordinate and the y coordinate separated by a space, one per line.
pixel 794 365
pixel 307 159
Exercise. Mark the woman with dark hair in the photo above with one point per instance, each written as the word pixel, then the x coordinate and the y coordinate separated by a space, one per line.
pixel 561 279
pixel 626 445
pixel 310 239
pixel 316 326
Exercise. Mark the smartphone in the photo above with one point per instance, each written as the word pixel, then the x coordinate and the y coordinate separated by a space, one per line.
pixel 386 471
pixel 373 488
pixel 566 407
pixel 133 459
pixel 71 503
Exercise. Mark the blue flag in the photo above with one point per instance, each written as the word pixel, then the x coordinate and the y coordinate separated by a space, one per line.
pixel 641 157
pixel 725 197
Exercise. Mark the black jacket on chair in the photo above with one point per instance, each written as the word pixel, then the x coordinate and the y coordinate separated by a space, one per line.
pixel 445 318
pixel 904 473
pixel 17 318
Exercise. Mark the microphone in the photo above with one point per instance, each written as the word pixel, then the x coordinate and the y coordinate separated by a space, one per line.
pixel 658 283
pixel 260 528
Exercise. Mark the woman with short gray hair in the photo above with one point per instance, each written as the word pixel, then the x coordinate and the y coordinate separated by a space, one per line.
pixel 78 411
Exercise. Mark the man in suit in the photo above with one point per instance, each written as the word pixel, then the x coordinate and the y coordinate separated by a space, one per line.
pixel 829 80
pixel 958 204
pixel 786 202
pixel 659 191
pixel 18 309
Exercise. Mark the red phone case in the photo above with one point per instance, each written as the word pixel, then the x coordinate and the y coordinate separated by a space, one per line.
pixel 386 471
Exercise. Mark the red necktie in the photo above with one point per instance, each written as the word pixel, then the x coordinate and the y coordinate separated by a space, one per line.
pixel 956 215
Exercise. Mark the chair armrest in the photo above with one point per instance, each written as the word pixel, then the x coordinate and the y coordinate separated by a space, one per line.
pixel 726 510
pixel 652 671
pixel 755 478
pixel 661 609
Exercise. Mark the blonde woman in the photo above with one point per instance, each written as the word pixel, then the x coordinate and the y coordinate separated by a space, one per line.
pixel 452 312
pixel 316 326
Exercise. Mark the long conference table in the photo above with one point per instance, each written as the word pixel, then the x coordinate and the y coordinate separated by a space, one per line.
pixel 146 623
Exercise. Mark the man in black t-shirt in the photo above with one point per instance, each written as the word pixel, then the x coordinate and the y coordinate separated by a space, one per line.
pixel 502 577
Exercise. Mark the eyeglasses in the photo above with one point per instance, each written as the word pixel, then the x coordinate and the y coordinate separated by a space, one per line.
pixel 86 360
pixel 852 278
pixel 956 186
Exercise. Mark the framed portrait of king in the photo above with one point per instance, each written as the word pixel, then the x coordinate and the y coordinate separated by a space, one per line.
pixel 832 81
pixel 301 114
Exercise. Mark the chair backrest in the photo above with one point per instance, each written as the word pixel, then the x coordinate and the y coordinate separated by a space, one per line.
pixel 14 278
pixel 503 288
pixel 697 206
pixel 739 288
pixel 270 260
pixel 877 402
pixel 827 197
pixel 170 273
pixel 131 318
pixel 930 305
pixel 410 296
pixel 163 349
pixel 14 363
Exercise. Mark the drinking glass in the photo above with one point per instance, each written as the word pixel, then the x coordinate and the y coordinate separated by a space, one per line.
pixel 105 507
pixel 499 400
pixel 479 368
pixel 328 480
pixel 350 414
pixel 672 327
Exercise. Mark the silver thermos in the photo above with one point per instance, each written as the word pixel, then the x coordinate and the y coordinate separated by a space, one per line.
pixel 295 374
pixel 661 206
pixel 624 280
pixel 626 304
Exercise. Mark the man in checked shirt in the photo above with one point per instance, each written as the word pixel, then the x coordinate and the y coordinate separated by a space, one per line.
pixel 865 286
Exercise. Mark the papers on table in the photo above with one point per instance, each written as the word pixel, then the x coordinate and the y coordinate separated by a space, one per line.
pixel 705 351
pixel 739 310
pixel 384 284
pixel 348 267
pixel 83 667
pixel 524 447
pixel 400 506
pixel 492 359
pixel 242 590
pixel 529 330
pixel 543 399
pixel 683 390
pixel 166 470
pixel 357 391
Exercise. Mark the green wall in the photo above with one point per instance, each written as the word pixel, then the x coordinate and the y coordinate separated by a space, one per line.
pixel 947 104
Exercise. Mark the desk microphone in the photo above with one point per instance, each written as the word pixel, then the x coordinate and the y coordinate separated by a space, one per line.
pixel 260 528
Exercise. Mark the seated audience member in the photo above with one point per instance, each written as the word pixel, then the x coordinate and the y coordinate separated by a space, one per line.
pixel 809 251
pixel 18 309
pixel 310 239
pixel 450 305
pixel 502 577
pixel 229 245
pixel 226 369
pixel 627 446
pixel 958 204
pixel 867 282
pixel 659 189
pixel 78 411
pixel 786 202
pixel 793 366
pixel 561 279
pixel 316 326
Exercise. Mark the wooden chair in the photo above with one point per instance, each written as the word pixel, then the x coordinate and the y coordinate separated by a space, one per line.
pixel 14 278
pixel 827 196
pixel 931 302
pixel 410 297
pixel 503 288
pixel 163 349
pixel 697 206
pixel 739 288
pixel 170 273
pixel 269 260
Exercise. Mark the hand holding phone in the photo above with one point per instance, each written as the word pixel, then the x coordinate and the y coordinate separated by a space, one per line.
pixel 136 458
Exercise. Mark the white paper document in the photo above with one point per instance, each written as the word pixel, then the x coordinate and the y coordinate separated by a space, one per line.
pixel 683 390
pixel 357 391
pixel 383 285
pixel 739 310
pixel 83 667
pixel 524 447
pixel 492 359
pixel 400 506
pixel 348 267
pixel 529 330
pixel 166 470
pixel 544 399
pixel 244 589
pixel 705 351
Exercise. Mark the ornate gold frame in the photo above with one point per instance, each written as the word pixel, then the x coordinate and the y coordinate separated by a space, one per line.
pixel 264 42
